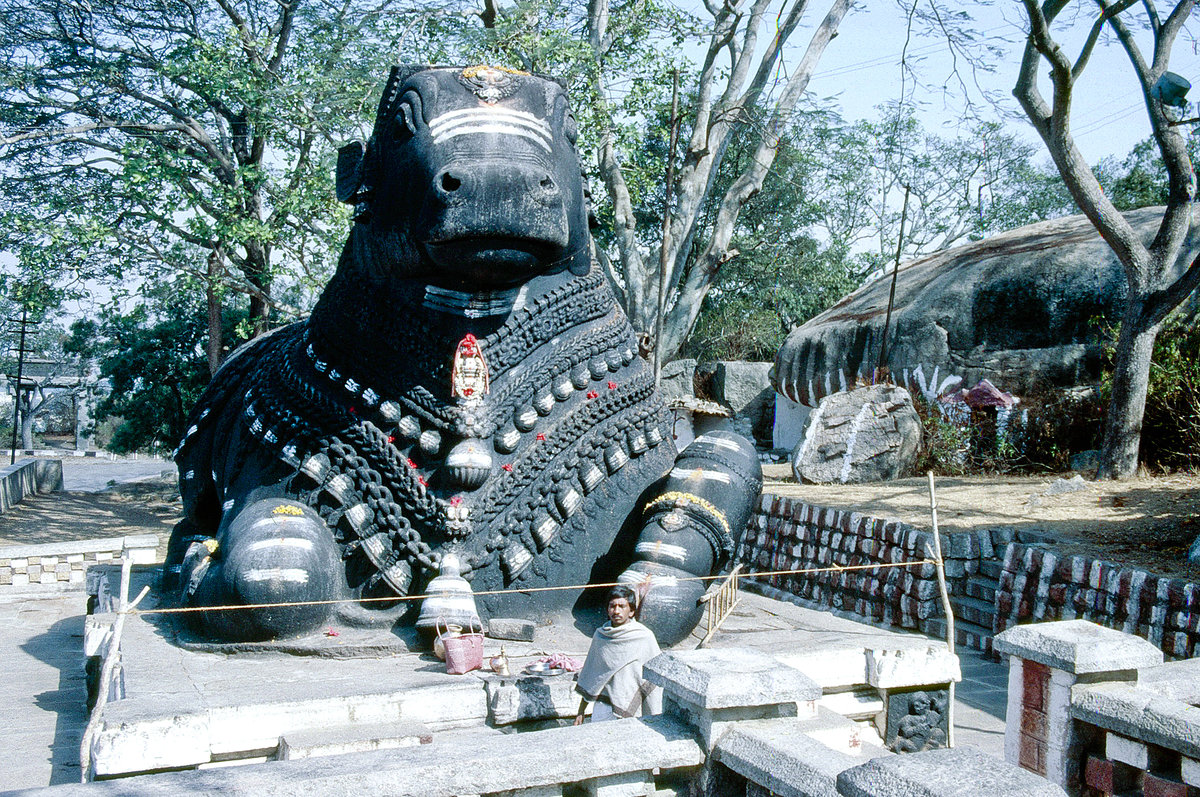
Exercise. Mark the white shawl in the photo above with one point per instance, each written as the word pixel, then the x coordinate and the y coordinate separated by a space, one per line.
pixel 613 669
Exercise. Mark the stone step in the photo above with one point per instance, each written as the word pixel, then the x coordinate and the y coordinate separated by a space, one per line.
pixel 974 611
pixel 337 740
pixel 982 590
pixel 833 730
pixel 857 704
pixel 991 568
pixel 967 635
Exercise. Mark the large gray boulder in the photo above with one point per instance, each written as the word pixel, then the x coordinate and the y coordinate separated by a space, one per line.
pixel 868 434
pixel 677 380
pixel 1019 308
pixel 745 387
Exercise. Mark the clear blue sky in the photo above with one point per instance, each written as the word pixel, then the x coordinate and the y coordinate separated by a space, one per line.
pixel 861 69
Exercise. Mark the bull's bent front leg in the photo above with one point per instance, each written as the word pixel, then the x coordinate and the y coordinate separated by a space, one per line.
pixel 278 559
pixel 689 530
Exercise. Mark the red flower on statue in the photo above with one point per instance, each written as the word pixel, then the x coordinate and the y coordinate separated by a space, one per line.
pixel 612 385
pixel 541 436
pixel 507 467
pixel 456 500
pixel 591 394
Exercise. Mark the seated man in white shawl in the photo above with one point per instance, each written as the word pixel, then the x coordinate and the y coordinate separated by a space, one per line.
pixel 612 674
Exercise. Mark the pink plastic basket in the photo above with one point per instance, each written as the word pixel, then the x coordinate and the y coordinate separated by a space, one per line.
pixel 463 653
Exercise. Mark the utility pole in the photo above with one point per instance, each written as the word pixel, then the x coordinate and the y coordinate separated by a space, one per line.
pixel 663 265
pixel 24 322
pixel 881 367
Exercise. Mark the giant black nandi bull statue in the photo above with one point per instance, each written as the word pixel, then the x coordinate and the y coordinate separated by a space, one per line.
pixel 466 384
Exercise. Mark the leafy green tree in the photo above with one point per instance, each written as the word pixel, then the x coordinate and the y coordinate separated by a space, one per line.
pixel 155 362
pixel 1140 179
pixel 829 211
pixel 788 267
pixel 1154 285
pixel 183 138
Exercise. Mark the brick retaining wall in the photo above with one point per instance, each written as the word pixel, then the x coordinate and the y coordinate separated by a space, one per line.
pixel 1035 584
pixel 788 534
pixel 1039 585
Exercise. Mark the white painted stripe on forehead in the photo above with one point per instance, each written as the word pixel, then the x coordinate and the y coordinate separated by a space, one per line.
pixel 499 129
pixel 490 114
pixel 490 120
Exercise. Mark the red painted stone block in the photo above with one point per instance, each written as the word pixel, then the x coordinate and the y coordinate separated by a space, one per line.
pixel 1033 722
pixel 1032 754
pixel 1098 774
pixel 1035 680
pixel 1160 786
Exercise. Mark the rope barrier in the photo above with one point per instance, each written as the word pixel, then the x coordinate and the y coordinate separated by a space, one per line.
pixel 396 598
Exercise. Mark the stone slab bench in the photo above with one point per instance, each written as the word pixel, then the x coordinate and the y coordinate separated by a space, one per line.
pixel 783 756
pixel 354 739
pixel 605 758
pixel 942 773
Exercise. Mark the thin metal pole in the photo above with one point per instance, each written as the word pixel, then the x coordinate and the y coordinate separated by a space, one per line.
pixel 666 227
pixel 887 322
pixel 17 391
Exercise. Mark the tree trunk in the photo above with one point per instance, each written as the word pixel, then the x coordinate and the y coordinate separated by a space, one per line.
pixel 1131 378
pixel 215 337
pixel 27 419
pixel 258 273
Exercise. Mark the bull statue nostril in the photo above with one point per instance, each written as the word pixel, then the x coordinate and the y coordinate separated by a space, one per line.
pixel 450 182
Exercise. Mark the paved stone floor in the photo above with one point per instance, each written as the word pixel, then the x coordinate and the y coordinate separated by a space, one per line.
pixel 980 703
pixel 42 689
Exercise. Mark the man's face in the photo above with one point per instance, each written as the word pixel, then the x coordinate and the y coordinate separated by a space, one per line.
pixel 619 611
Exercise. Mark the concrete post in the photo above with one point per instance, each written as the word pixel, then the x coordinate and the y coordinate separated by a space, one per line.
pixel 1046 661
pixel 710 689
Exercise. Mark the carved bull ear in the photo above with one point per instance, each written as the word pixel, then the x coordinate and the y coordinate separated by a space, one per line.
pixel 391 92
pixel 350 171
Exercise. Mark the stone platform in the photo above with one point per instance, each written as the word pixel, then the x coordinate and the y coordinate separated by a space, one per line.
pixel 179 704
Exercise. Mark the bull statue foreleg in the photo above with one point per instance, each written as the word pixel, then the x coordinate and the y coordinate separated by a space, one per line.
pixel 690 528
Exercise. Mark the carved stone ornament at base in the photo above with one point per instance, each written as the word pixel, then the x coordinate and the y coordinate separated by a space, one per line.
pixel 917 719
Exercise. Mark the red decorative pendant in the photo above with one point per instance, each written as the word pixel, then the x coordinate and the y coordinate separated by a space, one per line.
pixel 469 374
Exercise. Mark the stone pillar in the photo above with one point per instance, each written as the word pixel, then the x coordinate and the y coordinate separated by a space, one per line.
pixel 710 689
pixel 1046 660
pixel 942 773
pixel 915 687
pixel 83 400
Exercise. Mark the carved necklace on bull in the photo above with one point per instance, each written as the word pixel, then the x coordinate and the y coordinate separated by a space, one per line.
pixel 362 453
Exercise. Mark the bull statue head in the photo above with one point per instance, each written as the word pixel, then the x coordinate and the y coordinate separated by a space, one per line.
pixel 470 180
